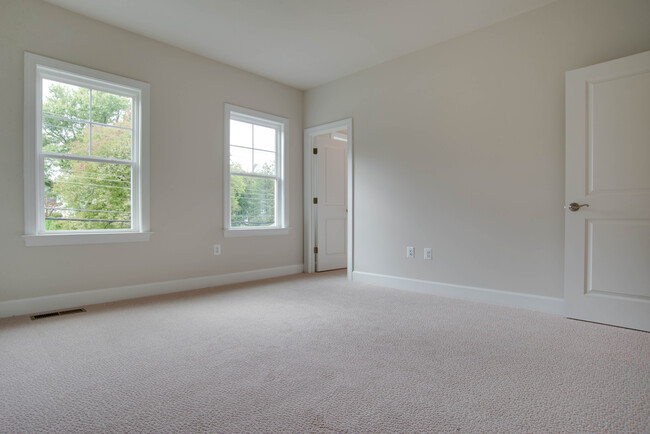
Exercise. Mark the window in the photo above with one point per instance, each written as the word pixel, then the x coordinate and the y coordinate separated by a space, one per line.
pixel 86 155
pixel 256 181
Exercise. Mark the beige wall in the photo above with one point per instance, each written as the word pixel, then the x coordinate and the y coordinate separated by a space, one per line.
pixel 187 97
pixel 460 146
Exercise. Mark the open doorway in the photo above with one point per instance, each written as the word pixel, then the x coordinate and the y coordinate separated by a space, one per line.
pixel 329 197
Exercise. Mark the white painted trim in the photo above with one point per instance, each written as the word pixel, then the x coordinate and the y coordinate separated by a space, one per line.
pixel 37 67
pixel 308 172
pixel 85 298
pixel 68 239
pixel 29 149
pixel 492 296
pixel 259 232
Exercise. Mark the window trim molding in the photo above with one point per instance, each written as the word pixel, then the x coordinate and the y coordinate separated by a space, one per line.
pixel 282 206
pixel 67 239
pixel 37 66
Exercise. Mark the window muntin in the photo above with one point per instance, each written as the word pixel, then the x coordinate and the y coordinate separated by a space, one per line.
pixel 84 195
pixel 256 181
pixel 86 154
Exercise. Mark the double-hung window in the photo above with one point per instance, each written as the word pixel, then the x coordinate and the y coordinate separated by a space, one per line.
pixel 256 179
pixel 86 155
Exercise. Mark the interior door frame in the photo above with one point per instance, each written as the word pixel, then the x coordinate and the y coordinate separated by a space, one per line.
pixel 309 213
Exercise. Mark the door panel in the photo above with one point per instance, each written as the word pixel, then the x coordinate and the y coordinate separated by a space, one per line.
pixel 607 244
pixel 618 257
pixel 331 213
pixel 335 233
pixel 620 127
pixel 335 190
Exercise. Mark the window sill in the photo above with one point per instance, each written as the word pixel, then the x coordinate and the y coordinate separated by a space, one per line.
pixel 231 233
pixel 85 238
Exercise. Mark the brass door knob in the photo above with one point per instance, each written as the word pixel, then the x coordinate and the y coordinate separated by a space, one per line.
pixel 573 206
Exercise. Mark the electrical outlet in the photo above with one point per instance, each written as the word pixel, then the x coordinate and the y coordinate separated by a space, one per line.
pixel 428 253
pixel 410 252
pixel 217 249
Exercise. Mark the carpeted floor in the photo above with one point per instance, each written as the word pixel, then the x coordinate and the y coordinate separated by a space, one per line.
pixel 319 354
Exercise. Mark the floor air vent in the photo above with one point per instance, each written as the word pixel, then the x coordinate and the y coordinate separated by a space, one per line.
pixel 63 312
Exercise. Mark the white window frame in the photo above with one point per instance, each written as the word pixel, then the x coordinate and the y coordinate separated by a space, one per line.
pixel 281 201
pixel 36 69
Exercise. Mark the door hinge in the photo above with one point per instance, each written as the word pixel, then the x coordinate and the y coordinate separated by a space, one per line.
pixel 315 201
pixel 315 151
pixel 315 249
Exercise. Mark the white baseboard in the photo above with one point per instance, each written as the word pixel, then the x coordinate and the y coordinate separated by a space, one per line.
pixel 492 296
pixel 63 301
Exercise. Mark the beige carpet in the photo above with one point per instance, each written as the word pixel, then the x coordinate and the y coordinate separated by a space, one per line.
pixel 319 354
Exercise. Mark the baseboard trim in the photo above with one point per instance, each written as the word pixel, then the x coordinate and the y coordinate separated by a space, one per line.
pixel 492 296
pixel 84 298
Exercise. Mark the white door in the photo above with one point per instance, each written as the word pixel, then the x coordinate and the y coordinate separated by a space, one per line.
pixel 331 208
pixel 607 244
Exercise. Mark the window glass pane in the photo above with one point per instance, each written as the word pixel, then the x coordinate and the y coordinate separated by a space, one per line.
pixel 264 138
pixel 80 195
pixel 252 201
pixel 65 100
pixel 241 159
pixel 65 137
pixel 241 134
pixel 264 162
pixel 111 109
pixel 111 142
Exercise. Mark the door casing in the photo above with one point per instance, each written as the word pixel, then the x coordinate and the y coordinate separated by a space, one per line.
pixel 308 174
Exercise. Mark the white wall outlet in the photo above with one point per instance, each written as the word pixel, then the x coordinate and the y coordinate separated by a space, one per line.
pixel 410 252
pixel 428 253
pixel 217 249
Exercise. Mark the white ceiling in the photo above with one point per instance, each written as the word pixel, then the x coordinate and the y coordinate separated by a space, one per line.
pixel 302 43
